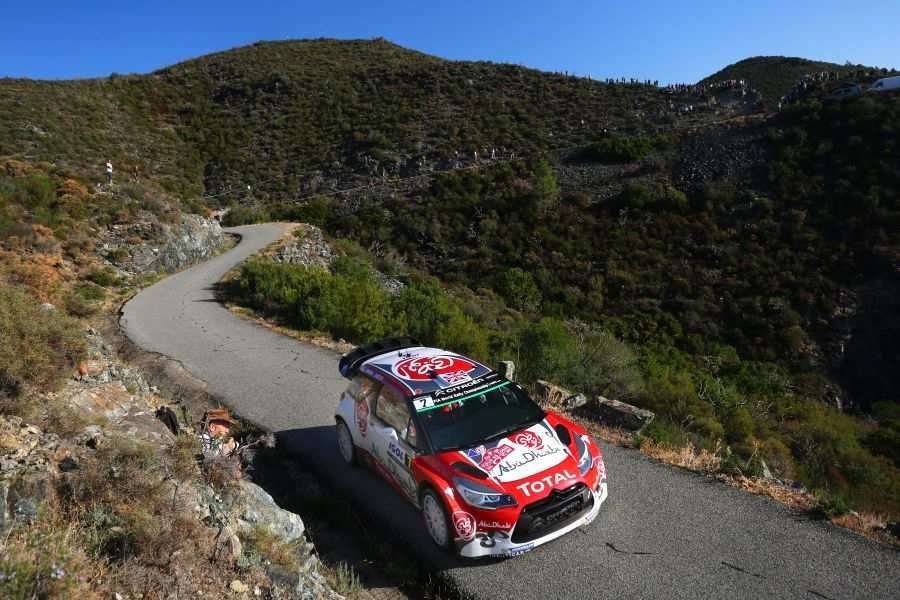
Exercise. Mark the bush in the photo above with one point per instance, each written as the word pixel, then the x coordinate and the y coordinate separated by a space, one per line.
pixel 37 347
pixel 519 290
pixel 349 303
pixel 83 300
pixel 105 277
pixel 617 149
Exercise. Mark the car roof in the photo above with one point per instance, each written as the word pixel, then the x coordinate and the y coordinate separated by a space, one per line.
pixel 421 370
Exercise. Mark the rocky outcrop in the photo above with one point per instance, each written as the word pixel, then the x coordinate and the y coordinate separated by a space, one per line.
pixel 620 414
pixel 192 240
pixel 148 245
pixel 27 466
pixel 720 153
pixel 246 506
pixel 307 247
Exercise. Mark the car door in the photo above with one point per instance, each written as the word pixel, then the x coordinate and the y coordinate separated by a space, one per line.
pixel 393 439
pixel 361 393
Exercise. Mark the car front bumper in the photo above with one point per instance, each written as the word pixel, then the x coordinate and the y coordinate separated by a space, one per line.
pixel 500 543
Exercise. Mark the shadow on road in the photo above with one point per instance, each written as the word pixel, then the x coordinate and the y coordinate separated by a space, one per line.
pixel 353 515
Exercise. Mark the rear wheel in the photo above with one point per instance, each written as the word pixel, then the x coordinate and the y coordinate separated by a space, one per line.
pixel 436 521
pixel 345 443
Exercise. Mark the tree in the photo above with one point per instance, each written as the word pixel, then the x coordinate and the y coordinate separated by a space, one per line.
pixel 519 290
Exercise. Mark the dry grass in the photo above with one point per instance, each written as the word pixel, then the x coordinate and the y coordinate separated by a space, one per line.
pixel 710 463
pixel 262 544
pixel 222 471
pixel 185 452
pixel 867 524
pixel 47 560
pixel 687 457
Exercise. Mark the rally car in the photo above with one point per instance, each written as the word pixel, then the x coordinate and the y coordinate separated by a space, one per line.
pixel 492 473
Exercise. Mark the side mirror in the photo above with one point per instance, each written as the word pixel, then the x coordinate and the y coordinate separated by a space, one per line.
pixel 391 433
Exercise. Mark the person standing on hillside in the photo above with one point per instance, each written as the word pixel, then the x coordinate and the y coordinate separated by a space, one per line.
pixel 109 172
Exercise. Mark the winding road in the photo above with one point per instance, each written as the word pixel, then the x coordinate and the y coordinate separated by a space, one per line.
pixel 663 533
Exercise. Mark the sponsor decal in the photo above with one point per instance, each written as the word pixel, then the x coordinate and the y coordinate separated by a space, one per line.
pixel 362 417
pixel 473 386
pixel 425 368
pixel 529 439
pixel 495 524
pixel 492 457
pixel 539 486
pixel 464 523
pixel 529 456
pixel 399 455
pixel 476 453
pixel 460 392
pixel 515 551
pixel 423 403
pixel 455 378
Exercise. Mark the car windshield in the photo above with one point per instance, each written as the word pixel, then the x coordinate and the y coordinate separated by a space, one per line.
pixel 480 417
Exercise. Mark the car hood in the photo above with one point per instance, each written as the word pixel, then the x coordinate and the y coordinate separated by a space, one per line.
pixel 521 454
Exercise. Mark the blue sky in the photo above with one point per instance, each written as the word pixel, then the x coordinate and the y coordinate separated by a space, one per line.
pixel 665 40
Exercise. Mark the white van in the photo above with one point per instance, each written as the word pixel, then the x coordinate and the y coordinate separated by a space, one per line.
pixel 885 85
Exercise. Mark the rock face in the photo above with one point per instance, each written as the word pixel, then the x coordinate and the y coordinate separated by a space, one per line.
pixel 308 247
pixel 716 154
pixel 192 240
pixel 150 246
pixel 246 506
pixel 27 466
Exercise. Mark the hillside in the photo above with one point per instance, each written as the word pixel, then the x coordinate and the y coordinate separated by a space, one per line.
pixel 745 261
pixel 267 114
pixel 775 76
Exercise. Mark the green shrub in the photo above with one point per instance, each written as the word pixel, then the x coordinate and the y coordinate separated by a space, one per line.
pixel 519 290
pixel 37 347
pixel 105 277
pixel 348 304
pixel 84 299
pixel 617 149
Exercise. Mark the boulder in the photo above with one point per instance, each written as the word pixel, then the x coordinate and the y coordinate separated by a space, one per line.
pixel 558 396
pixel 249 505
pixel 507 368
pixel 620 414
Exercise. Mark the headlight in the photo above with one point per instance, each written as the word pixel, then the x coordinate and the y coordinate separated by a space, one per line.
pixel 585 460
pixel 481 496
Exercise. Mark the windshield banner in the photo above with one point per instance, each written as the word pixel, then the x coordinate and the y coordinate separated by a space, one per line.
pixel 459 393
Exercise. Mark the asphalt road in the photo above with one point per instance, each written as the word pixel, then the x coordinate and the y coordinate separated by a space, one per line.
pixel 663 533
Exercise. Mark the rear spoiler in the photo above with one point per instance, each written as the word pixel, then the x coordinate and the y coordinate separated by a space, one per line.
pixel 350 362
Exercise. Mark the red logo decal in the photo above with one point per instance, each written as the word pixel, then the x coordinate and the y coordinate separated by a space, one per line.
pixel 464 523
pixel 426 367
pixel 362 416
pixel 529 439
pixel 493 457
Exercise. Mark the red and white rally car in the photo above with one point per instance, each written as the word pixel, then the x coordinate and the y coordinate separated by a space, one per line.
pixel 493 473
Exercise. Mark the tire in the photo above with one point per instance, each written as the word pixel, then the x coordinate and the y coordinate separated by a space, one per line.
pixel 437 523
pixel 346 447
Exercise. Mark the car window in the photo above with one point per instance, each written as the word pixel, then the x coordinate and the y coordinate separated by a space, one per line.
pixel 362 387
pixel 392 409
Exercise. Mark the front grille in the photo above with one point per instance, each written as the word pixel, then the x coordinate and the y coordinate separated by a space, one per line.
pixel 557 510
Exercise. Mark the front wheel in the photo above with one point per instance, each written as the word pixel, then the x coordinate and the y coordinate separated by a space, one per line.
pixel 436 522
pixel 345 443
